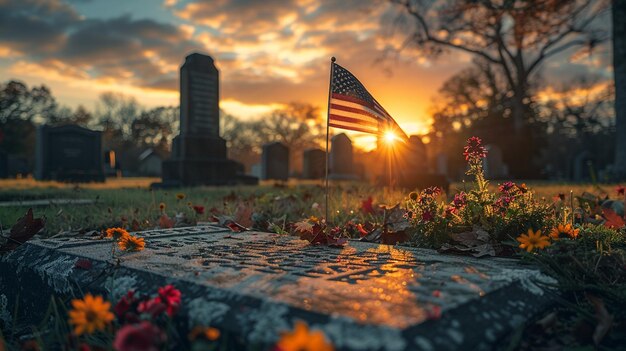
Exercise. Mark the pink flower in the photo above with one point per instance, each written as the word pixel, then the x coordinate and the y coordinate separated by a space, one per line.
pixel 620 190
pixel 138 337
pixel 474 149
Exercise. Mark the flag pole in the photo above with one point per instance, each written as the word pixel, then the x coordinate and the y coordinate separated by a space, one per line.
pixel 330 90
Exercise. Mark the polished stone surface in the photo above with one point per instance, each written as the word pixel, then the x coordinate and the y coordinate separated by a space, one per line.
pixel 363 296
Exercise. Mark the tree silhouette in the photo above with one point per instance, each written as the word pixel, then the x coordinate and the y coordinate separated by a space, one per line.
pixel 619 70
pixel 516 36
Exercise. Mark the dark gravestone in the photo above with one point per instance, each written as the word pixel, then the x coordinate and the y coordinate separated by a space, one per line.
pixel 492 164
pixel 198 152
pixel 69 153
pixel 313 164
pixel 341 159
pixel 254 286
pixel 411 171
pixel 275 161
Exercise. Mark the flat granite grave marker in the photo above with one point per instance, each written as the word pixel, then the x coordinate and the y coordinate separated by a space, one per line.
pixel 363 296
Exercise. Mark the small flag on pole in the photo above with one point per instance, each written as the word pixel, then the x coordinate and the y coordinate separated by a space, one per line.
pixel 352 107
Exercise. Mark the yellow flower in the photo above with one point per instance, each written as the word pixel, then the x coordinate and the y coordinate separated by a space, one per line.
pixel 208 333
pixel 189 204
pixel 162 206
pixel 116 233
pixel 301 339
pixel 131 243
pixel 564 231
pixel 90 314
pixel 314 219
pixel 180 196
pixel 533 240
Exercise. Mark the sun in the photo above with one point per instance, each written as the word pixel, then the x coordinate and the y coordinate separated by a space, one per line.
pixel 390 137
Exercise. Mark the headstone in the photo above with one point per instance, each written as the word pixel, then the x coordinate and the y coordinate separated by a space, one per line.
pixel 149 163
pixel 340 158
pixel 254 286
pixel 441 163
pixel 69 153
pixel 412 170
pixel 416 154
pixel 313 164
pixel 492 164
pixel 582 167
pixel 198 152
pixel 275 161
pixel 256 170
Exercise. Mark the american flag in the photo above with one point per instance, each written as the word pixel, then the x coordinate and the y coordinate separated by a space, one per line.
pixel 352 107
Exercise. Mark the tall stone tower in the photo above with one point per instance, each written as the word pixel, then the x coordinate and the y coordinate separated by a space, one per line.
pixel 198 152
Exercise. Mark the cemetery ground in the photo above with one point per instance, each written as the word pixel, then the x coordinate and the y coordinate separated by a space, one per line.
pixel 576 240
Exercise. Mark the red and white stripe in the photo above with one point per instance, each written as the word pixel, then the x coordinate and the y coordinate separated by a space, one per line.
pixel 347 112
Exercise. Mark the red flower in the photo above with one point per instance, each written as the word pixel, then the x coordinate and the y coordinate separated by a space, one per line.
pixel 506 187
pixel 460 199
pixel 170 296
pixel 474 149
pixel 198 209
pixel 138 337
pixel 154 307
pixel 124 304
pixel 427 216
pixel 620 190
pixel 366 206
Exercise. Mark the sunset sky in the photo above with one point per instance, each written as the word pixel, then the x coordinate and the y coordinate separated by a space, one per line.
pixel 269 52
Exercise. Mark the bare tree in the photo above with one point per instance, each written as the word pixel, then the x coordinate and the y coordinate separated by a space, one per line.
pixel 516 36
pixel 619 70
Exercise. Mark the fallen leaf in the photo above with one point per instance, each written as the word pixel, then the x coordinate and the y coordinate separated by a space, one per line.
pixel 395 219
pixel 374 236
pixel 613 220
pixel 244 214
pixel 235 227
pixel 303 226
pixel 24 229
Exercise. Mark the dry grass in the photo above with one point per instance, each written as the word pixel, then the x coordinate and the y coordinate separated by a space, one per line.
pixel 131 198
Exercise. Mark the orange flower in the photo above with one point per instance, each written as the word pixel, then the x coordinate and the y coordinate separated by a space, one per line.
pixel 90 314
pixel 208 333
pixel 533 240
pixel 131 243
pixel 302 339
pixel 162 206
pixel 180 196
pixel 116 233
pixel 564 231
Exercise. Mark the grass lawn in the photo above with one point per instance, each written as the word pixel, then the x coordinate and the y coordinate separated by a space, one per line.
pixel 128 199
